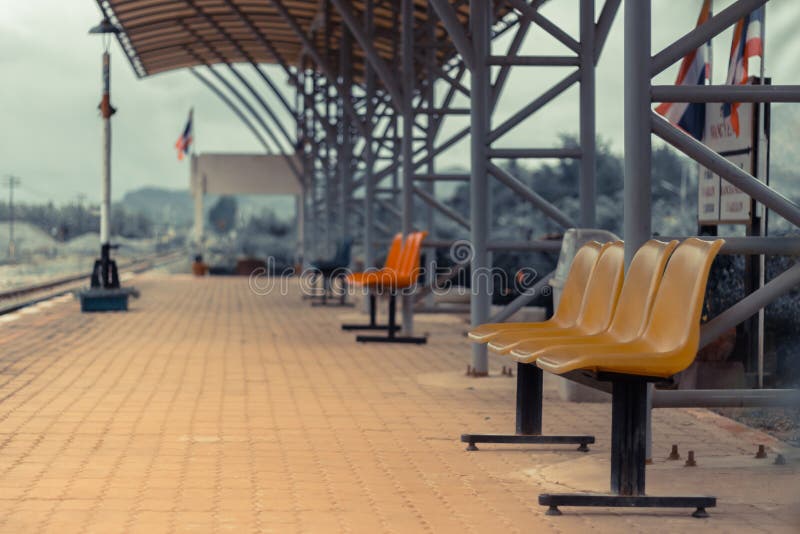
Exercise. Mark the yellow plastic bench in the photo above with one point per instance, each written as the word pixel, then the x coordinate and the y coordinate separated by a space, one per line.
pixel 569 306
pixel 666 346
pixel 633 306
pixel 596 308
pixel 594 265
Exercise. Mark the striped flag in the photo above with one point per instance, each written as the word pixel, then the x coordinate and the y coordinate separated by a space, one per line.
pixel 748 41
pixel 184 142
pixel 695 70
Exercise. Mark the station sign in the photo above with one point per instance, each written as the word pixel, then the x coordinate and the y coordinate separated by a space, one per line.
pixel 720 202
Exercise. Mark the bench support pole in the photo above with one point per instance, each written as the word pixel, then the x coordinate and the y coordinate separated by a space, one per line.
pixel 373 323
pixel 327 291
pixel 628 443
pixel 393 327
pixel 529 417
pixel 628 427
pixel 529 399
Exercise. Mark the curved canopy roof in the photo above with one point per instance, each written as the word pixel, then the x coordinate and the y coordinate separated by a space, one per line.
pixel 163 35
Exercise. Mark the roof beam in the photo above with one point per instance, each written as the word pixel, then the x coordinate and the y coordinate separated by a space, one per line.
pixel 270 47
pixel 381 69
pixel 228 85
pixel 455 29
pixel 221 31
pixel 236 111
pixel 320 61
pixel 546 24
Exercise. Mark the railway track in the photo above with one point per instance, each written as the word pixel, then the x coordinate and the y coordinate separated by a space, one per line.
pixel 17 298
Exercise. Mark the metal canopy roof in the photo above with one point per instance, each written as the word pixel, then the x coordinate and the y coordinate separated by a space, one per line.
pixel 163 35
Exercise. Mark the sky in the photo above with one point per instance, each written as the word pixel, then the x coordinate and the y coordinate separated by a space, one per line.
pixel 50 129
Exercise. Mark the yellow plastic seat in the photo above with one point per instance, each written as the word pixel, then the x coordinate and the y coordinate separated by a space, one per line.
pixel 633 307
pixel 669 343
pixel 596 310
pixel 569 306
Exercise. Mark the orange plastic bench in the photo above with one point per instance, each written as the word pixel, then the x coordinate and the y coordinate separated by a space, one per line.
pixel 403 275
pixel 355 279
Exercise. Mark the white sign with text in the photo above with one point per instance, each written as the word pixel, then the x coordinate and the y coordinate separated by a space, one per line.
pixel 718 201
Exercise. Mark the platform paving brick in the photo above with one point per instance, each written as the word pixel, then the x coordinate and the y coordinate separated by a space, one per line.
pixel 211 408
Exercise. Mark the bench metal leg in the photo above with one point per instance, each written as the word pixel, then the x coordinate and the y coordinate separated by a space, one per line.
pixel 628 423
pixel 393 327
pixel 313 293
pixel 373 324
pixel 529 417
pixel 322 300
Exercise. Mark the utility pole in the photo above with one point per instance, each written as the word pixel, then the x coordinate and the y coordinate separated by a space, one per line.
pixel 11 182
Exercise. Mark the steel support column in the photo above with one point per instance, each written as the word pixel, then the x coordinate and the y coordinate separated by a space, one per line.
pixel 407 141
pixel 637 218
pixel 638 144
pixel 345 152
pixel 587 190
pixel 429 100
pixel 480 88
pixel 369 153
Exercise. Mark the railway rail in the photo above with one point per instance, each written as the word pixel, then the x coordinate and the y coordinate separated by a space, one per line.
pixel 15 299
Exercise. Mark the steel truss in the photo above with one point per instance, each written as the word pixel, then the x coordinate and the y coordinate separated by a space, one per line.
pixel 355 136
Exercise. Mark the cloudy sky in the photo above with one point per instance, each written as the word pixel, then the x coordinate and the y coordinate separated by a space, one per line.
pixel 50 131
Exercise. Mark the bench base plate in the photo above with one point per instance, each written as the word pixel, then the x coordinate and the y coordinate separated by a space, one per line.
pixel 523 439
pixel 554 500
pixel 332 303
pixel 369 327
pixel 392 339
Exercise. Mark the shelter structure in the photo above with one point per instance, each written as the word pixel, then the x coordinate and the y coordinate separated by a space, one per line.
pixel 375 81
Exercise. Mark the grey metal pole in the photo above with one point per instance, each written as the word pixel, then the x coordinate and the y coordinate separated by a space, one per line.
pixel 330 191
pixel 345 152
pixel 638 147
pixel 300 214
pixel 409 77
pixel 587 115
pixel 638 144
pixel 369 154
pixel 430 133
pixel 739 398
pixel 480 296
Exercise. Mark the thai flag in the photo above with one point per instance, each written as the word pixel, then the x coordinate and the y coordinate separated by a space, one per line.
pixel 184 142
pixel 748 41
pixel 695 70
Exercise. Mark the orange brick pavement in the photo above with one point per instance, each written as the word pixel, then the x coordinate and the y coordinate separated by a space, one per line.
pixel 209 408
